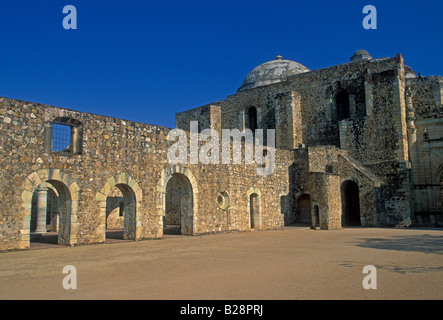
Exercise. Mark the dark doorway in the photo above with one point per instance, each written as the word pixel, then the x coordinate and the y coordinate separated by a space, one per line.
pixel 304 208
pixel 350 203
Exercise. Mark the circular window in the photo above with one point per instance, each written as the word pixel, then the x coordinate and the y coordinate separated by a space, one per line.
pixel 223 200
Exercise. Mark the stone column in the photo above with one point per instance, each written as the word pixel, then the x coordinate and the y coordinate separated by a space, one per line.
pixel 42 200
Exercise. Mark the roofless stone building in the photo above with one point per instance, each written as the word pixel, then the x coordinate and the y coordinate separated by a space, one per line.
pixel 357 144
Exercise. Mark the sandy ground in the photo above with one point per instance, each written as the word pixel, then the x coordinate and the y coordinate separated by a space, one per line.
pixel 294 263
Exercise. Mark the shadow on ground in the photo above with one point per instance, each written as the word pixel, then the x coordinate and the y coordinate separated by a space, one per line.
pixel 423 243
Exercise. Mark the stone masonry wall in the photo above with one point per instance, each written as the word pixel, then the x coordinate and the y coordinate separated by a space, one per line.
pixel 126 154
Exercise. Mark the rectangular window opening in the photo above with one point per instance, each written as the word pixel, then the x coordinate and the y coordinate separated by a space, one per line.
pixel 61 138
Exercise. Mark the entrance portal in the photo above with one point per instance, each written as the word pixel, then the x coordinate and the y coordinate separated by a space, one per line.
pixel 304 208
pixel 179 213
pixel 120 213
pixel 350 203
pixel 50 213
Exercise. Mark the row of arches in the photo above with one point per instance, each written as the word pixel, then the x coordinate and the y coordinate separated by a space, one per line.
pixel 51 219
pixel 50 202
pixel 307 212
pixel 51 211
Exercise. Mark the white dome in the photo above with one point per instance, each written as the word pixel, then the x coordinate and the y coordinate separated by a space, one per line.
pixel 274 71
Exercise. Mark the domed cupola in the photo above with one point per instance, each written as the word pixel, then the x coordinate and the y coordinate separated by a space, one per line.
pixel 360 55
pixel 274 71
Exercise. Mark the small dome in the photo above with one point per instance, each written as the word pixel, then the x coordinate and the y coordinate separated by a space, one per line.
pixel 274 71
pixel 361 55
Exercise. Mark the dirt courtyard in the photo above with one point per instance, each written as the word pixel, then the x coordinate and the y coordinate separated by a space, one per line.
pixel 294 263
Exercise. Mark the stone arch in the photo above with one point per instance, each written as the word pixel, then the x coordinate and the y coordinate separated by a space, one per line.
pixel 255 208
pixel 251 118
pixel 189 203
pixel 350 178
pixel 133 196
pixel 68 192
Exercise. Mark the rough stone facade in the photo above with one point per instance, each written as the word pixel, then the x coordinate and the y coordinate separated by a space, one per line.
pixel 356 144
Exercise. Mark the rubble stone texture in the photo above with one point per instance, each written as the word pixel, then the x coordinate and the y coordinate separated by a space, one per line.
pixel 356 144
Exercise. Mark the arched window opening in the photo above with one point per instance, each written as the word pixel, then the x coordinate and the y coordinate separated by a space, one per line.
pixel 254 209
pixel 251 122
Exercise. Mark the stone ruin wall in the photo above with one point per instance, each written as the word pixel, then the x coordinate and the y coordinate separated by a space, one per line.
pixel 375 135
pixel 134 153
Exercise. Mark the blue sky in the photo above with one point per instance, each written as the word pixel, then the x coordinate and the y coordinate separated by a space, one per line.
pixel 146 60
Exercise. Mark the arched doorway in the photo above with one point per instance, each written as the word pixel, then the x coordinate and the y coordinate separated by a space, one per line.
pixel 67 193
pixel 254 210
pixel 50 217
pixel 122 196
pixel 304 208
pixel 179 206
pixel 350 202
pixel 121 213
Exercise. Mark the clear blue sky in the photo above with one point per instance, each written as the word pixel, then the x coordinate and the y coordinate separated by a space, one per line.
pixel 146 60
